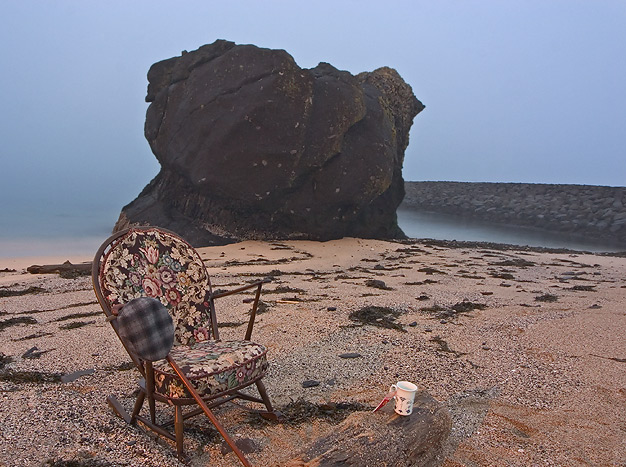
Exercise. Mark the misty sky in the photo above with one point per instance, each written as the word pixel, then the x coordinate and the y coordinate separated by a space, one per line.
pixel 515 90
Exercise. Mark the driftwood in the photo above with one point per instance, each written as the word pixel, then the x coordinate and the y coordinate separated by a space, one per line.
pixel 367 439
pixel 67 269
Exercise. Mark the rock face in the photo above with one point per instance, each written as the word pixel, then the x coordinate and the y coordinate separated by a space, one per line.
pixel 253 146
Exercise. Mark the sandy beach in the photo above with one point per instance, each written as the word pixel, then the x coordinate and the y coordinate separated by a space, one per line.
pixel 525 348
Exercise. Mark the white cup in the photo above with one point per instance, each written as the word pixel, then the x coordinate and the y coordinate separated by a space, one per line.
pixel 404 396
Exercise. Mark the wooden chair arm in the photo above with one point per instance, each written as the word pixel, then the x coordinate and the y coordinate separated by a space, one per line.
pixel 240 289
pixel 258 285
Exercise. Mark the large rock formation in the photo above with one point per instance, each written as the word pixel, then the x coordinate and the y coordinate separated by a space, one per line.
pixel 253 146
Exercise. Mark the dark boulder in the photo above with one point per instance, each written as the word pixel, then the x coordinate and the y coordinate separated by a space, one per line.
pixel 253 146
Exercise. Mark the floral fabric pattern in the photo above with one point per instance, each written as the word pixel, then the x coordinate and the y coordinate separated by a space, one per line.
pixel 156 264
pixel 212 367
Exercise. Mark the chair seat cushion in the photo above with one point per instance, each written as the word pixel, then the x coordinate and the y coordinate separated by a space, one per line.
pixel 212 367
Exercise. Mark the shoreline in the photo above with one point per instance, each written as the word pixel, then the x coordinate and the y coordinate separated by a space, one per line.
pixel 24 261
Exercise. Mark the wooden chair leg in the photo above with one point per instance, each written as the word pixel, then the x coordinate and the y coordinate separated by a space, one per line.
pixel 179 429
pixel 138 404
pixel 271 414
pixel 266 400
pixel 150 390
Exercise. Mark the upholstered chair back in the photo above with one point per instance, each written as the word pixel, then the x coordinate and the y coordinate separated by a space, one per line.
pixel 157 264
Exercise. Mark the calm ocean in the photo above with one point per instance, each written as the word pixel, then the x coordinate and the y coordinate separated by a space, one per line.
pixel 443 227
pixel 72 233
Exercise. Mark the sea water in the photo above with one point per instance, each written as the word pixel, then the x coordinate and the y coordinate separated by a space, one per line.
pixel 81 232
pixel 41 232
pixel 418 224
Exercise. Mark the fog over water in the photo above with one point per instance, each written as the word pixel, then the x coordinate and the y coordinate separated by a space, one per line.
pixel 518 91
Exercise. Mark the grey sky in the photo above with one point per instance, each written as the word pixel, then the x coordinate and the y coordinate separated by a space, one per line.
pixel 516 90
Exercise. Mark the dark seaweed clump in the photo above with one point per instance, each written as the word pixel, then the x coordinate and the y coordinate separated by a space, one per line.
pixel 547 297
pixel 76 463
pixel 75 325
pixel 17 293
pixel 449 312
pixel 383 317
pixel 23 377
pixel 467 306
pixel 17 320
pixel 302 411
pixel 4 360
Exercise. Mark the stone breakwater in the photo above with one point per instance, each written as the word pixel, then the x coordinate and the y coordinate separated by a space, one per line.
pixel 597 212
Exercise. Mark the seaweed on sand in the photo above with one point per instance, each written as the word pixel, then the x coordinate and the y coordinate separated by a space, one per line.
pixel 24 377
pixel 547 297
pixel 78 315
pixel 449 312
pixel 17 293
pixel 303 411
pixel 380 316
pixel 444 347
pixel 76 324
pixel 76 463
pixel 4 360
pixel 17 320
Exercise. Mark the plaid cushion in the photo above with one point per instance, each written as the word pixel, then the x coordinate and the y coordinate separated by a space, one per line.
pixel 146 327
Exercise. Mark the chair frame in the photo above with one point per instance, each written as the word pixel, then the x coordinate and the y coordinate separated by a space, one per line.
pixel 146 383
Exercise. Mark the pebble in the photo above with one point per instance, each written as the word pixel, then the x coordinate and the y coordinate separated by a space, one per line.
pixel 350 355
pixel 310 383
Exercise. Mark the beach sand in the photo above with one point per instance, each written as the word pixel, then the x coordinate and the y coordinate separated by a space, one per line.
pixel 525 348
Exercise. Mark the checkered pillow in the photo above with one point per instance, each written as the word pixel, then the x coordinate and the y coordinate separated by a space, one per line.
pixel 146 327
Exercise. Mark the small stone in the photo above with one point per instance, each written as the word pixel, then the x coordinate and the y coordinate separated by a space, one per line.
pixel 350 355
pixel 413 324
pixel 423 297
pixel 331 308
pixel 310 383
pixel 131 443
pixel 486 347
pixel 428 330
pixel 595 306
pixel 443 321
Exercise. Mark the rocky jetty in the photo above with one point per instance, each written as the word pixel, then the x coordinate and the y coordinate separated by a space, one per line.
pixel 253 146
pixel 597 212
